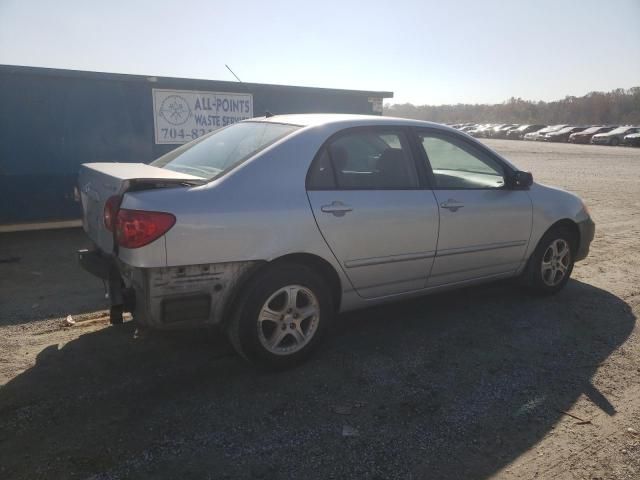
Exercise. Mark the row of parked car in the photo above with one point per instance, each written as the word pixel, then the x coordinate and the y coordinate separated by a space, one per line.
pixel 596 134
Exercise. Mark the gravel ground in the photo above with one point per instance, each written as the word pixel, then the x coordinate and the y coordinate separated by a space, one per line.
pixel 487 382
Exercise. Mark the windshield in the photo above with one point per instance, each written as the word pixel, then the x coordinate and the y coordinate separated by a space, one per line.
pixel 592 130
pixel 620 130
pixel 220 151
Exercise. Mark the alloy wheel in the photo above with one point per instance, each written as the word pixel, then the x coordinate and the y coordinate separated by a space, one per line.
pixel 288 320
pixel 555 262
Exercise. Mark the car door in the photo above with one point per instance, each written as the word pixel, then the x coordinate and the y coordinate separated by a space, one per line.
pixel 484 225
pixel 373 211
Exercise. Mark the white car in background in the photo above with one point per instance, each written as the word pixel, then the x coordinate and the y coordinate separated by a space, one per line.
pixel 614 137
pixel 538 135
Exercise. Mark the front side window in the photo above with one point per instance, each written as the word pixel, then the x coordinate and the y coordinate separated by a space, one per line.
pixel 367 160
pixel 458 167
pixel 214 154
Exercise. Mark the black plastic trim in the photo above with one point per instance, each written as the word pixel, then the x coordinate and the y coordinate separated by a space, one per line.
pixel 95 262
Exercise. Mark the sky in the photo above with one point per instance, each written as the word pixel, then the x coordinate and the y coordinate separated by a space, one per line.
pixel 425 51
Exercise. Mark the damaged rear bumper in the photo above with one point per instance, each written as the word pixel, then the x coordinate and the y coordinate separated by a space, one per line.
pixel 170 297
pixel 185 296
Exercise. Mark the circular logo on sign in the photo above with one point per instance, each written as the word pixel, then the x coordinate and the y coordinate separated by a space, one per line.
pixel 175 110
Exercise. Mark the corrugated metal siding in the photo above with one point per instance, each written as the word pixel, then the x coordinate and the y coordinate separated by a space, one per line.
pixel 52 121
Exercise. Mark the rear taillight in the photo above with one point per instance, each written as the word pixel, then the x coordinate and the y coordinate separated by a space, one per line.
pixel 110 212
pixel 137 228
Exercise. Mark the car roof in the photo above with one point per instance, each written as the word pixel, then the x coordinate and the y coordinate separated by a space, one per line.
pixel 345 120
pixel 349 120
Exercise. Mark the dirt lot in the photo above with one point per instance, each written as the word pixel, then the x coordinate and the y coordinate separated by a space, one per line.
pixel 488 382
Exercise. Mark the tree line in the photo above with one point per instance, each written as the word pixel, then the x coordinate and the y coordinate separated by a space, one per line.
pixel 619 106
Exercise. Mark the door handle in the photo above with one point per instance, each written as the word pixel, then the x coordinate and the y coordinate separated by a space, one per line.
pixel 338 209
pixel 452 205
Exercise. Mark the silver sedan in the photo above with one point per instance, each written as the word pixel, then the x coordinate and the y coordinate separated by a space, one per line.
pixel 270 227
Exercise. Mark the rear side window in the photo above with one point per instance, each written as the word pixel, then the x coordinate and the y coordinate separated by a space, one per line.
pixel 365 160
pixel 321 175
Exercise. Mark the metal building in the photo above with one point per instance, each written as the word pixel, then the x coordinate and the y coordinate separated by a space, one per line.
pixel 51 121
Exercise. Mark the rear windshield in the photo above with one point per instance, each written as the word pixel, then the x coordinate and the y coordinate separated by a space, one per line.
pixel 218 152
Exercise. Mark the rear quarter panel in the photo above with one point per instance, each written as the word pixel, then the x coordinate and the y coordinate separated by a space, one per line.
pixel 259 211
pixel 150 256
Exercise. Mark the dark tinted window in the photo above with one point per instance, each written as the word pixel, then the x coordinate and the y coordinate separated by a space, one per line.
pixel 372 160
pixel 321 173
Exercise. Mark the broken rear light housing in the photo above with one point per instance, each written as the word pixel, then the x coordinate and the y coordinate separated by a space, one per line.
pixel 137 228
pixel 110 211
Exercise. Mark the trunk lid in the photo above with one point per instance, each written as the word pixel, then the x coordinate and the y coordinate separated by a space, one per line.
pixel 97 182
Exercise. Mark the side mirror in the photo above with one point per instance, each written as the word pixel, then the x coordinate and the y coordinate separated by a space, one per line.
pixel 521 180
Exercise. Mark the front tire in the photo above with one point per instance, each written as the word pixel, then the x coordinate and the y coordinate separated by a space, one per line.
pixel 281 316
pixel 551 264
pixel 614 142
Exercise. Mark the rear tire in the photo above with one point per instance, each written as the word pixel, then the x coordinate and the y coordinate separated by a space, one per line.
pixel 614 142
pixel 281 316
pixel 551 264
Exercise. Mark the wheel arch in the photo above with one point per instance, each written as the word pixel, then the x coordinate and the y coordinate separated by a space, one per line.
pixel 570 225
pixel 527 274
pixel 317 263
pixel 567 223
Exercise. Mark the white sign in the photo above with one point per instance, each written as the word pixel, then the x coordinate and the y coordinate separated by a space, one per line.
pixel 180 116
pixel 376 104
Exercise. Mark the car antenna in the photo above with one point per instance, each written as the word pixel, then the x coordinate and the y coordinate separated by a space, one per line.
pixel 267 113
pixel 233 73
